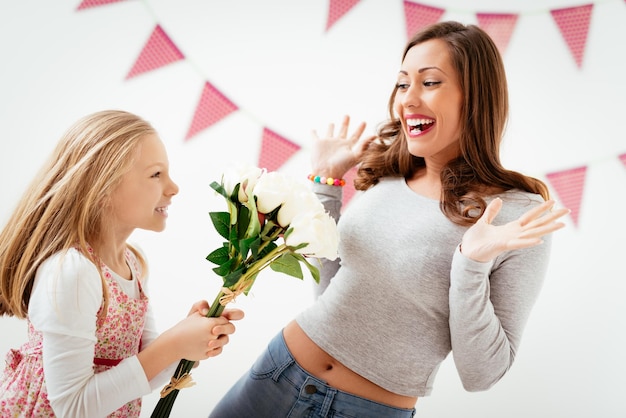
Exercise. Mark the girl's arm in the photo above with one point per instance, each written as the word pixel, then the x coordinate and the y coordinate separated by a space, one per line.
pixel 64 304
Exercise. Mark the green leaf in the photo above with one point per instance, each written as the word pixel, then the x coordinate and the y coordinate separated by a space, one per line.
pixel 269 247
pixel 219 256
pixel 287 264
pixel 243 217
pixel 219 189
pixel 245 245
pixel 232 278
pixel 234 196
pixel 221 222
pixel 224 269
pixel 315 273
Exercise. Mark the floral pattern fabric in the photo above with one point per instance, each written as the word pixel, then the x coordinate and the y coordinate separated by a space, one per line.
pixel 22 389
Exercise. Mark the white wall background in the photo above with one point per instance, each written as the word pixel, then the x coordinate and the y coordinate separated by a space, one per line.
pixel 274 60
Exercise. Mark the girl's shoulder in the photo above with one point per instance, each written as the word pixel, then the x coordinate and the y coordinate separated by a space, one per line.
pixel 68 265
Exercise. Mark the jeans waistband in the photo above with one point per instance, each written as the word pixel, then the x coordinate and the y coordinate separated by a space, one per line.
pixel 311 387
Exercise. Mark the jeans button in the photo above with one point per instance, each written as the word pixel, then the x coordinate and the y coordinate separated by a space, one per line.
pixel 310 389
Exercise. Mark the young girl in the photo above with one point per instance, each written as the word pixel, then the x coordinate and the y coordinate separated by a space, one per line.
pixel 93 349
pixel 442 252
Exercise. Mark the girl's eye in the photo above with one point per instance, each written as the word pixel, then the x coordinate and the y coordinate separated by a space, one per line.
pixel 156 175
pixel 402 86
pixel 431 83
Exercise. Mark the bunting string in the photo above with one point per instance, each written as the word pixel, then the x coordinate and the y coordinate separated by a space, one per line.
pixel 213 105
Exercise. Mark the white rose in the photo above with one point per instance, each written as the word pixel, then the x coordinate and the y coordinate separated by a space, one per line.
pixel 318 230
pixel 245 175
pixel 271 191
pixel 300 200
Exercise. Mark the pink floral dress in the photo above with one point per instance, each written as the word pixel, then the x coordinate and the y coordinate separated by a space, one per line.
pixel 22 389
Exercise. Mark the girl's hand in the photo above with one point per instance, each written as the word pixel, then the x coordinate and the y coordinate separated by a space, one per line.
pixel 198 337
pixel 334 155
pixel 483 242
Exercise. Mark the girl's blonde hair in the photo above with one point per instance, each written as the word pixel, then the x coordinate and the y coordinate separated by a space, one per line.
pixel 64 207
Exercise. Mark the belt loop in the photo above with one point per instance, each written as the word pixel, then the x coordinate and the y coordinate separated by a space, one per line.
pixel 280 369
pixel 328 401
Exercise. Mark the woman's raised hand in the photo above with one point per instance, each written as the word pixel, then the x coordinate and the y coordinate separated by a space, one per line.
pixel 483 241
pixel 335 154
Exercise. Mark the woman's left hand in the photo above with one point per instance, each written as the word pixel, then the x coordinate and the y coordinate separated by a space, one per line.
pixel 483 241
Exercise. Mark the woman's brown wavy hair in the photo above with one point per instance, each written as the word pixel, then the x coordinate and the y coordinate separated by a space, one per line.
pixel 477 171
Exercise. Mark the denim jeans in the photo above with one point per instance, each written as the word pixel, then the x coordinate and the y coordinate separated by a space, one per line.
pixel 276 386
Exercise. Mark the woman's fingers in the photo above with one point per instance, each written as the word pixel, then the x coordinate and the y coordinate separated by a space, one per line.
pixel 345 123
pixel 492 210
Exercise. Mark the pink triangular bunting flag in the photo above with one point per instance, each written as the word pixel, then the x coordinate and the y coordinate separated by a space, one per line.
pixel 499 26
pixel 573 22
pixel 622 158
pixel 568 185
pixel 348 189
pixel 158 52
pixel 336 10
pixel 275 150
pixel 86 4
pixel 417 16
pixel 213 107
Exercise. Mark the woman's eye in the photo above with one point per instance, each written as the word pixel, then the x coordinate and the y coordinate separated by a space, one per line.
pixel 402 86
pixel 431 83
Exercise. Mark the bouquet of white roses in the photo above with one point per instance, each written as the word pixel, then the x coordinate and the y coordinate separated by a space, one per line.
pixel 272 220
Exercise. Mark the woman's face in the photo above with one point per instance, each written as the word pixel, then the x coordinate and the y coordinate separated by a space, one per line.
pixel 428 102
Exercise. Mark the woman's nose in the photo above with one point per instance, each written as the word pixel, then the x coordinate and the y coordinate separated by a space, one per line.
pixel 411 97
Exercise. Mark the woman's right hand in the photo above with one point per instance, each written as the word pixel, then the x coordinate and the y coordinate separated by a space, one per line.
pixel 334 155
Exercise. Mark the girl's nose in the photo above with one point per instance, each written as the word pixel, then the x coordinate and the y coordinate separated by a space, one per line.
pixel 172 189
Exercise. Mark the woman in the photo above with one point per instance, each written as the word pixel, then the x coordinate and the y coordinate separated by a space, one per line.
pixel 441 252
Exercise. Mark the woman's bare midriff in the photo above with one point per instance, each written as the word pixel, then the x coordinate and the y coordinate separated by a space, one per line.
pixel 323 366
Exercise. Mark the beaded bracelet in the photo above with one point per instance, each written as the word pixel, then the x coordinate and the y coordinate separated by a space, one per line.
pixel 327 180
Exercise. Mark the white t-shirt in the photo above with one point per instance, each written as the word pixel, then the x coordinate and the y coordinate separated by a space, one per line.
pixel 64 304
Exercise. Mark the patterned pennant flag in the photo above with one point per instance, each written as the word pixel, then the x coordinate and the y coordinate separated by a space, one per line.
pixel 499 26
pixel 86 4
pixel 336 10
pixel 213 107
pixel 275 150
pixel 348 190
pixel 158 52
pixel 568 185
pixel 417 16
pixel 622 157
pixel 573 22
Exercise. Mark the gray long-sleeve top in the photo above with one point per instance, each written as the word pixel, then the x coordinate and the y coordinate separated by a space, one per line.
pixel 403 296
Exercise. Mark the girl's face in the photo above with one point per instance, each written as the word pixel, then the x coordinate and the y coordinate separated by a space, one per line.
pixel 145 192
pixel 428 102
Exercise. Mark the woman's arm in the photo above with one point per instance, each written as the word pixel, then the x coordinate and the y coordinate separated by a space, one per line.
pixel 495 279
pixel 330 196
pixel 489 310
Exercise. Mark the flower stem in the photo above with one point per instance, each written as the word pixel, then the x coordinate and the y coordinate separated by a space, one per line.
pixel 165 404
